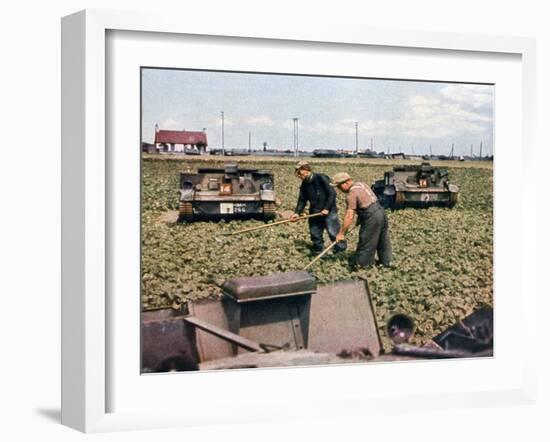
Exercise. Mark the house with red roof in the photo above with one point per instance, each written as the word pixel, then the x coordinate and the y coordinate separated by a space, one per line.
pixel 183 141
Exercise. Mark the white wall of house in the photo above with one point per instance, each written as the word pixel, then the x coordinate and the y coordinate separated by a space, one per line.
pixel 180 148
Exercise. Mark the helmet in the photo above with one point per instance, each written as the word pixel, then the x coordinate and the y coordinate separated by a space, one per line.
pixel 400 328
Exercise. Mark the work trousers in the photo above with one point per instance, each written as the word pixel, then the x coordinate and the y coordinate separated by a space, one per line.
pixel 331 224
pixel 374 236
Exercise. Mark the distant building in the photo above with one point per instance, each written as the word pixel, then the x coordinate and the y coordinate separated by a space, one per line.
pixel 183 141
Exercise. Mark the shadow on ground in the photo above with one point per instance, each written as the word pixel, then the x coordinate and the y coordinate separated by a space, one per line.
pixel 51 414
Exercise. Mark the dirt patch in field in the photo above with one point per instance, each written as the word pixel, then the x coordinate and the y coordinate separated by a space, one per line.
pixel 169 218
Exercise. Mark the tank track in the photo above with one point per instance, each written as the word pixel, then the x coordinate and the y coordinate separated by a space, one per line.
pixel 453 199
pixel 399 200
pixel 269 211
pixel 186 211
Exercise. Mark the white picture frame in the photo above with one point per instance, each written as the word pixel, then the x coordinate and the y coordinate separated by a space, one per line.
pixel 85 218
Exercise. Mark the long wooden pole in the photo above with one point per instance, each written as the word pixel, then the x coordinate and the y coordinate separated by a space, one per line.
pixel 276 223
pixel 320 255
pixel 226 335
pixel 324 252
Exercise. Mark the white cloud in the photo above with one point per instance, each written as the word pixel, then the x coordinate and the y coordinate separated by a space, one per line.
pixel 469 95
pixel 179 124
pixel 171 124
pixel 454 111
pixel 346 126
pixel 457 110
pixel 262 120
pixel 216 123
pixel 334 128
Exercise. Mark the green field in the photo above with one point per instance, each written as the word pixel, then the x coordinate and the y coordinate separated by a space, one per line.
pixel 443 257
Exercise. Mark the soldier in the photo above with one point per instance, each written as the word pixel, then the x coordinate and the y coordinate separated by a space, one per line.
pixel 316 190
pixel 374 233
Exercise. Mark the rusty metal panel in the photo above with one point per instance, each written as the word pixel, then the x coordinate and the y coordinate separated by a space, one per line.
pixel 296 326
pixel 341 317
pixel 167 343
pixel 225 315
pixel 275 322
pixel 223 334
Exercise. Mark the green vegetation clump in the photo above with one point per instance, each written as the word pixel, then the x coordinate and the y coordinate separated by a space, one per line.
pixel 443 258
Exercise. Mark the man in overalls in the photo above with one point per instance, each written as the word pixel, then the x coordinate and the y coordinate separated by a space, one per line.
pixel 374 235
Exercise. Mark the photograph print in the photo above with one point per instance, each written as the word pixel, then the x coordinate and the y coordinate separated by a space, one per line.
pixel 305 220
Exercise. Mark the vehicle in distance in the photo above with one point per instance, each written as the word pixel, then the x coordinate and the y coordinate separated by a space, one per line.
pixel 227 193
pixel 416 186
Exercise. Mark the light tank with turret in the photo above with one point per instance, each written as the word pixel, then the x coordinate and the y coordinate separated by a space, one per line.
pixel 227 193
pixel 416 186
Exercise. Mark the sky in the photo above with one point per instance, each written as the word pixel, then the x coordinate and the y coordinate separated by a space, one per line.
pixel 393 115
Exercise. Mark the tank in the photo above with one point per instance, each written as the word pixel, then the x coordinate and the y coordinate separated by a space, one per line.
pixel 416 186
pixel 281 319
pixel 227 193
pixel 287 319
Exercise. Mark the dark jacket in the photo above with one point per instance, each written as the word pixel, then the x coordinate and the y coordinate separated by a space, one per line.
pixel 318 192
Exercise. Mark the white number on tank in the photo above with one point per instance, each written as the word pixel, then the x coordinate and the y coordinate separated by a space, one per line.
pixel 239 208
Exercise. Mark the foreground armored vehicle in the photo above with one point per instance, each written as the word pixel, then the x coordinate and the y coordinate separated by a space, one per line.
pixel 228 193
pixel 286 319
pixel 281 319
pixel 416 186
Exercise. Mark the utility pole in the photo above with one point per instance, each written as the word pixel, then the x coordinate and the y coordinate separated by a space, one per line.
pixel 295 127
pixel 431 152
pixel 223 141
pixel 356 140
pixel 480 148
pixel 453 151
pixel 249 141
pixel 471 150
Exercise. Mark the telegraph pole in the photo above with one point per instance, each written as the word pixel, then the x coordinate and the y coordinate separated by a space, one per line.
pixel 249 141
pixel 431 152
pixel 356 140
pixel 223 141
pixel 295 127
pixel 480 148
